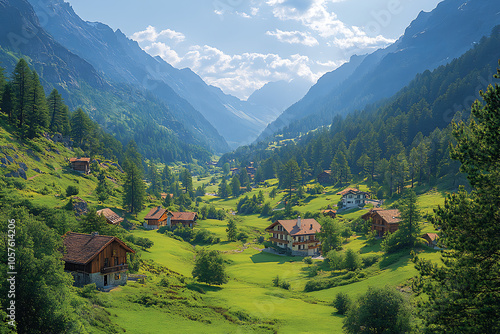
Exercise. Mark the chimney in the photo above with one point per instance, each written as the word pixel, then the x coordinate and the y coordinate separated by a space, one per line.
pixel 298 222
pixel 94 234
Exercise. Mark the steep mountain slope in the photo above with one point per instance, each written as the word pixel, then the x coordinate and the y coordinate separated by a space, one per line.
pixel 432 39
pixel 123 60
pixel 162 132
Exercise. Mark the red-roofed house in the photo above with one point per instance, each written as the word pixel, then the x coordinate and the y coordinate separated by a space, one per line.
pixel 111 216
pixel 297 235
pixel 186 219
pixel 352 197
pixel 383 220
pixel 81 165
pixel 330 213
pixel 94 258
pixel 156 218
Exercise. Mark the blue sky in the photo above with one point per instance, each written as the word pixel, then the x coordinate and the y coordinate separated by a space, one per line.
pixel 239 45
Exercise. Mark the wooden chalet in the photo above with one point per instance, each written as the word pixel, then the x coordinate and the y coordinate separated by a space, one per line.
pixel 111 216
pixel 296 235
pixel 383 221
pixel 352 197
pixel 156 218
pixel 94 258
pixel 186 219
pixel 329 212
pixel 325 177
pixel 81 165
pixel 431 239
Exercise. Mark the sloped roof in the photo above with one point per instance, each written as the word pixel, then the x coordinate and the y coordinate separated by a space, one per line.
pixel 328 171
pixel 349 190
pixel 431 236
pixel 83 248
pixel 110 215
pixel 328 211
pixel 188 216
pixel 390 216
pixel 79 160
pixel 155 213
pixel 307 226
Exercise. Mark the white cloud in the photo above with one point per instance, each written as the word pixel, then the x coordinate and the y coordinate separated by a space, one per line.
pixel 316 16
pixel 294 37
pixel 164 51
pixel 151 35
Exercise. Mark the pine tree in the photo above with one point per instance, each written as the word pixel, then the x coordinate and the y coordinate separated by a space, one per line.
pixel 7 105
pixel 224 189
pixel 155 179
pixel 37 116
pixel 290 176
pixel 21 82
pixel 132 154
pixel 235 186
pixel 57 112
pixel 134 188
pixel 80 127
pixel 231 230
pixel 167 177
pixel 187 181
pixel 464 292
pixel 103 189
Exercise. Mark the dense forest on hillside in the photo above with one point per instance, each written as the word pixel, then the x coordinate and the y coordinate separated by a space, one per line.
pixel 402 141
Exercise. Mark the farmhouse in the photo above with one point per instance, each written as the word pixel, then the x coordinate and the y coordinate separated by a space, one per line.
pixel 81 165
pixel 431 239
pixel 352 197
pixel 296 235
pixel 330 213
pixel 383 220
pixel 94 258
pixel 156 218
pixel 325 177
pixel 111 216
pixel 186 219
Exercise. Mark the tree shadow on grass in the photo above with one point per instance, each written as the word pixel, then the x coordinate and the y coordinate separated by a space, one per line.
pixel 263 257
pixel 203 288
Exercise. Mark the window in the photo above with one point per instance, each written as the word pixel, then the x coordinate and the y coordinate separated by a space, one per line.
pixel 106 262
pixel 117 277
pixel 116 261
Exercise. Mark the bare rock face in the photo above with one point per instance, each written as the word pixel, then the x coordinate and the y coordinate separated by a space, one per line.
pixel 80 207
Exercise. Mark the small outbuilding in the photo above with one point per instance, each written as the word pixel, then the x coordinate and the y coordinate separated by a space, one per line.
pixel 111 216
pixel 81 165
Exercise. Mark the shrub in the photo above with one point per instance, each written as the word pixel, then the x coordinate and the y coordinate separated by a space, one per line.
pixel 261 239
pixel 369 260
pixel 285 285
pixel 308 260
pixel 351 260
pixel 242 236
pixel 72 191
pixel 335 259
pixel 342 302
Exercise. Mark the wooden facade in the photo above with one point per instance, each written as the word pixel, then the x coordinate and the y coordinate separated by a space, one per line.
pixel 156 218
pixel 383 221
pixel 81 165
pixel 297 236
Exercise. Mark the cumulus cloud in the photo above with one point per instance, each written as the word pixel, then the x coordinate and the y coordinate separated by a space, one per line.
pixel 294 37
pixel 151 35
pixel 314 15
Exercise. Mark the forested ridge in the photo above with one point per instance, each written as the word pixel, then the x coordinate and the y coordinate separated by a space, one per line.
pixel 401 141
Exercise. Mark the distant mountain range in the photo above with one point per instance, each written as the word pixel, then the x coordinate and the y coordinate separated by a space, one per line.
pixel 122 60
pixel 432 39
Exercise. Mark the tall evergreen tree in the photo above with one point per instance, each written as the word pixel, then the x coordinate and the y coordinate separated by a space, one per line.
pixel 80 127
pixel 187 181
pixel 235 186
pixel 21 82
pixel 132 154
pixel 224 189
pixel 37 117
pixel 464 292
pixel 8 98
pixel 232 230
pixel 58 113
pixel 167 177
pixel 290 176
pixel 155 180
pixel 134 188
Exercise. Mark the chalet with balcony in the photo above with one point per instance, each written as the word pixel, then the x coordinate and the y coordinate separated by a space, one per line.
pixel 325 177
pixel 81 165
pixel 181 219
pixel 383 221
pixel 156 218
pixel 296 235
pixel 352 197
pixel 94 258
pixel 111 216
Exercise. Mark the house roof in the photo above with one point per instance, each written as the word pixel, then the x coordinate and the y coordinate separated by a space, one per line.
pixel 189 216
pixel 349 190
pixel 79 160
pixel 307 226
pixel 431 236
pixel 326 172
pixel 83 248
pixel 155 213
pixel 328 211
pixel 390 216
pixel 110 215
pixel 164 195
